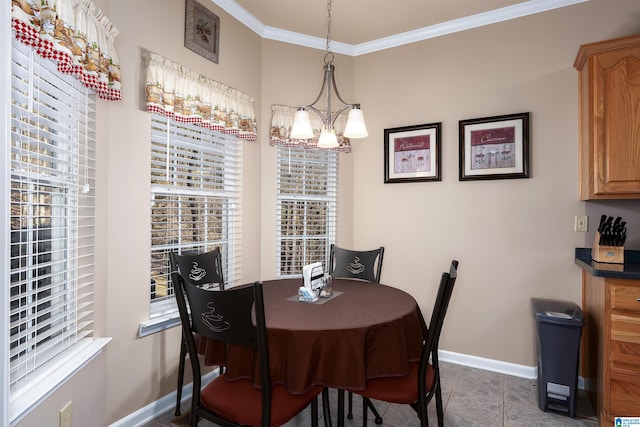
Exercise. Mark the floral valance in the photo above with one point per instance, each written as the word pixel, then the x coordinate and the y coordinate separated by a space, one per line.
pixel 76 35
pixel 282 121
pixel 187 97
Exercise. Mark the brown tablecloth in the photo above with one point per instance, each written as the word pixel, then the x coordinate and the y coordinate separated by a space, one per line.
pixel 368 331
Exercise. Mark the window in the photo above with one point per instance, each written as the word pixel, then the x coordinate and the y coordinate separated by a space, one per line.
pixel 51 219
pixel 307 207
pixel 195 201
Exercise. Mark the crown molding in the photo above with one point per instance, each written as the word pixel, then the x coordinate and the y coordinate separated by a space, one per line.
pixel 474 21
pixel 291 37
pixel 526 8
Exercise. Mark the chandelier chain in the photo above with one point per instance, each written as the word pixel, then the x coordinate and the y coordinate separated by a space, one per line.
pixel 328 57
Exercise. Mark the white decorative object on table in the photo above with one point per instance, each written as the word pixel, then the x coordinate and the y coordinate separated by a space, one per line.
pixel 313 275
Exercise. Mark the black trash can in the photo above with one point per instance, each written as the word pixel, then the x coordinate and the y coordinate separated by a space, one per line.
pixel 559 327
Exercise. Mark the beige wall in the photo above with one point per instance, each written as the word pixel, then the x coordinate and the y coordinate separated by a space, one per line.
pixel 514 238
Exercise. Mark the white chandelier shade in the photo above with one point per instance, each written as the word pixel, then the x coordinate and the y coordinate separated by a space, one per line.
pixel 356 128
pixel 328 139
pixel 302 125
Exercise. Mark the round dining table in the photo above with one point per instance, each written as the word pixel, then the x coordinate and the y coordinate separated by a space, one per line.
pixel 363 331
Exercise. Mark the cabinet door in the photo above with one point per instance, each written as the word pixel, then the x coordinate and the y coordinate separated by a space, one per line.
pixel 625 365
pixel 617 125
pixel 609 119
pixel 624 355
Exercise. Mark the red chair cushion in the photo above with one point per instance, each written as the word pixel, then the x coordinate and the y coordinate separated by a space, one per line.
pixel 402 390
pixel 241 402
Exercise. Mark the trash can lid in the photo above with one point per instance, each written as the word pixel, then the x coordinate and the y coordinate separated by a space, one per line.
pixel 555 311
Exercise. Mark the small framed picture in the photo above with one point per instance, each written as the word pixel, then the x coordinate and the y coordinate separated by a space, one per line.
pixel 494 147
pixel 201 30
pixel 412 153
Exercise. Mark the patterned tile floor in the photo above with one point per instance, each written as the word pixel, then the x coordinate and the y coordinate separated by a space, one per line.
pixel 471 397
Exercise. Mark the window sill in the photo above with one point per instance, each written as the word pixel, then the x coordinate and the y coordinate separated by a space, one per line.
pixel 158 324
pixel 25 402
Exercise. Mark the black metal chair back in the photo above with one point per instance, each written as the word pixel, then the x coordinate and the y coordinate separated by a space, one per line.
pixel 363 265
pixel 430 350
pixel 199 269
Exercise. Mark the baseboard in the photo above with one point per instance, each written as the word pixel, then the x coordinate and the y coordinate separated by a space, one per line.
pixel 522 371
pixel 492 365
pixel 166 403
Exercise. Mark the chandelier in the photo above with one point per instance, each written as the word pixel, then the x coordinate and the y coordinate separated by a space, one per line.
pixel 355 127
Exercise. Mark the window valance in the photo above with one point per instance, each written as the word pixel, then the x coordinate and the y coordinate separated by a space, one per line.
pixel 177 92
pixel 76 35
pixel 282 122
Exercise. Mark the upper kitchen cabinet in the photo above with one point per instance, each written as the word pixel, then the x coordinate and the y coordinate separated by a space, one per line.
pixel 609 103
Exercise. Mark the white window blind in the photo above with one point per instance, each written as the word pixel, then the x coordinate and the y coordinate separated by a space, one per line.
pixel 307 207
pixel 196 182
pixel 51 218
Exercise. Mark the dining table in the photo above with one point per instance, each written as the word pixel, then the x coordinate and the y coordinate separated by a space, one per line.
pixel 361 332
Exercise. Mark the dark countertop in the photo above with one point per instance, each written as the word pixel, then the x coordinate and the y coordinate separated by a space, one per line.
pixel 629 270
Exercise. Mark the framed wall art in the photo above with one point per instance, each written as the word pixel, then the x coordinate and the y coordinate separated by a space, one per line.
pixel 412 153
pixel 201 30
pixel 494 147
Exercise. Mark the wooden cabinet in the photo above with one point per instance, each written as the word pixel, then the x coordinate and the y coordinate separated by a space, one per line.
pixel 611 346
pixel 609 120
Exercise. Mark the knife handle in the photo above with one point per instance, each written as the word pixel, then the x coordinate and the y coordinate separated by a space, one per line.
pixel 603 218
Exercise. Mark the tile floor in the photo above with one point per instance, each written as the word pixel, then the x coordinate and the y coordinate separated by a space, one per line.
pixel 471 398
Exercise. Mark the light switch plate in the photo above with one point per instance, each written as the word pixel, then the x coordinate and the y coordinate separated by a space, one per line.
pixel 581 224
pixel 65 415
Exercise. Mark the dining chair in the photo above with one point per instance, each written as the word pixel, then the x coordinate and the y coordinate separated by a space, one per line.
pixel 235 316
pixel 361 265
pixel 423 382
pixel 200 269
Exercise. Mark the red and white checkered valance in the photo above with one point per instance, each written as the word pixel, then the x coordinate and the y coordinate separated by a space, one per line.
pixel 76 35
pixel 187 97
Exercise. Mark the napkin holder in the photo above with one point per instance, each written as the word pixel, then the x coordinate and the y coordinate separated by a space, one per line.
pixel 313 275
pixel 608 254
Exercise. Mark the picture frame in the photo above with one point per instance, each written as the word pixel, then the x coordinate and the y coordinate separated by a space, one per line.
pixel 412 153
pixel 201 30
pixel 494 147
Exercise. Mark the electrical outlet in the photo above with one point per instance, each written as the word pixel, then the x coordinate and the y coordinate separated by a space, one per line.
pixel 65 415
pixel 582 222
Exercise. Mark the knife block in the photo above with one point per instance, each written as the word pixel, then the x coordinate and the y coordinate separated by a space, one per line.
pixel 610 254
